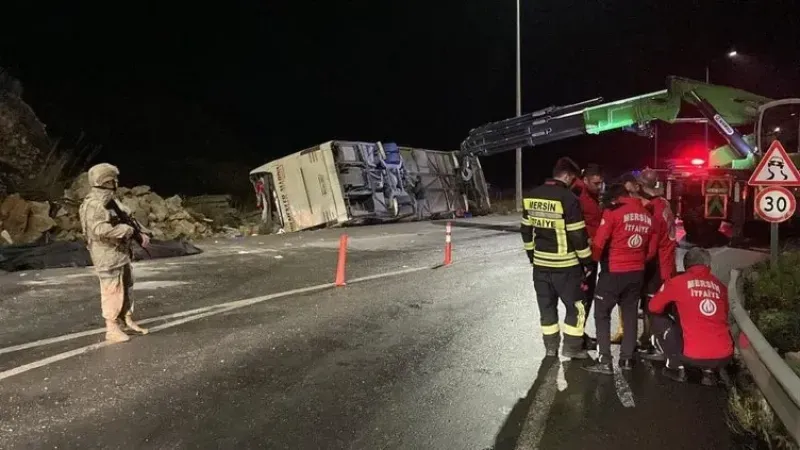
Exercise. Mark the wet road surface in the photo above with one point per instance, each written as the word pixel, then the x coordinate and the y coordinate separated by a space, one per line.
pixel 446 358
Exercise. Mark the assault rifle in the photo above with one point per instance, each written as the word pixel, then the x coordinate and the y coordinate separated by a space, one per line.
pixel 124 217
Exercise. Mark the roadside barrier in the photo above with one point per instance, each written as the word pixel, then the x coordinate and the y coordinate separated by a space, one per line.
pixel 342 262
pixel 776 380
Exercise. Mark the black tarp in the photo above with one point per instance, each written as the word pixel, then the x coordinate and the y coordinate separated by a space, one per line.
pixel 54 255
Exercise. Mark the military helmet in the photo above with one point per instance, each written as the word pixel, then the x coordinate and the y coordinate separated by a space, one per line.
pixel 102 173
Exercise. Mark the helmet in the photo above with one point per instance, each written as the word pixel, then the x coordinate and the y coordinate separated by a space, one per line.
pixel 102 173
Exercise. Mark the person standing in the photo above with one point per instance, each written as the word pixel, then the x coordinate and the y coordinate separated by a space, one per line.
pixel 588 189
pixel 554 236
pixel 622 245
pixel 660 269
pixel 695 331
pixel 109 246
pixel 634 190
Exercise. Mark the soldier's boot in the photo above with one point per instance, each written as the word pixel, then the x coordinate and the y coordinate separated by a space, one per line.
pixel 114 333
pixel 133 325
pixel 551 344
pixel 617 338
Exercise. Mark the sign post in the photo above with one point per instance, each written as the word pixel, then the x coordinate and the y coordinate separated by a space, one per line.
pixel 775 203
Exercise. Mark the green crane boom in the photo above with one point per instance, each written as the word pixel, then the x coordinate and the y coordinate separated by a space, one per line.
pixel 723 107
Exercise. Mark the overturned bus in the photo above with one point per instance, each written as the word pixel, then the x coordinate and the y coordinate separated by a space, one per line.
pixel 343 182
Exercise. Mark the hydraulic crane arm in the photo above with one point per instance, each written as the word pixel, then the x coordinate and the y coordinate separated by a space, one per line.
pixel 724 107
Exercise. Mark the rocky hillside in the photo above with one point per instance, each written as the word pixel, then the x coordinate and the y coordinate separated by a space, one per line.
pixel 24 145
pixel 39 201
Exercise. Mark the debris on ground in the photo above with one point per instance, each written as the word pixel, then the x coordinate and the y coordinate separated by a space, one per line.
pixel 40 195
pixel 24 222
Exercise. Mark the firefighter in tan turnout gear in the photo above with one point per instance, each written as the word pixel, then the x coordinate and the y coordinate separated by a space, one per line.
pixel 109 245
pixel 555 239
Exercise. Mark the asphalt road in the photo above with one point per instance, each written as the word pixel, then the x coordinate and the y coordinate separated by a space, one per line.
pixel 446 358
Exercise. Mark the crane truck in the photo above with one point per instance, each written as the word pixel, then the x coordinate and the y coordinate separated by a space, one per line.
pixel 707 195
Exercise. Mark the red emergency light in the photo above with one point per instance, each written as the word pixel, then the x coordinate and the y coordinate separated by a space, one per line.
pixel 697 161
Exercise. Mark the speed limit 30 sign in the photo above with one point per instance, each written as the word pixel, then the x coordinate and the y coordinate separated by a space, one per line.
pixel 775 204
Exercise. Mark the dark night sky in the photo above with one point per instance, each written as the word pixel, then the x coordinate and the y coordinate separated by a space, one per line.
pixel 169 90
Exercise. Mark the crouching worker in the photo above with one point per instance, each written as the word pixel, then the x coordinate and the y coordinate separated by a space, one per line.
pixel 695 331
pixel 622 245
pixel 110 249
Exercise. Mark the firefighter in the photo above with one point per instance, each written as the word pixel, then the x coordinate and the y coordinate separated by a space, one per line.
pixel 554 236
pixel 632 187
pixel 588 189
pixel 662 268
pixel 698 335
pixel 622 245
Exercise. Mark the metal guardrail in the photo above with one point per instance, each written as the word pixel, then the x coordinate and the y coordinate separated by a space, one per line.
pixel 776 380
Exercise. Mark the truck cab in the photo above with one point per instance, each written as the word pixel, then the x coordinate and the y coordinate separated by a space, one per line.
pixel 713 199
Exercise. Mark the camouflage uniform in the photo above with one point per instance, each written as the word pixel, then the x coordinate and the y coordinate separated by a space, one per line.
pixel 110 248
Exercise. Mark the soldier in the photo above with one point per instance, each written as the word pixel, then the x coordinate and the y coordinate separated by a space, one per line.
pixel 554 236
pixel 109 245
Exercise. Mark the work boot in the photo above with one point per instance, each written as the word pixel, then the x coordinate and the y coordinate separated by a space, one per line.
pixel 551 344
pixel 603 365
pixel 646 351
pixel 709 378
pixel 650 351
pixel 626 364
pixel 114 333
pixel 678 374
pixel 133 325
pixel 573 348
pixel 574 354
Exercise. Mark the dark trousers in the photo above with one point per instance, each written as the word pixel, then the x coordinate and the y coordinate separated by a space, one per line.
pixel 552 284
pixel 652 284
pixel 591 285
pixel 669 338
pixel 623 289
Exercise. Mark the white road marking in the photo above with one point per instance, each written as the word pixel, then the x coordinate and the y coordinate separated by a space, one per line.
pixel 52 359
pixel 623 389
pixel 77 335
pixel 209 311
pixel 536 420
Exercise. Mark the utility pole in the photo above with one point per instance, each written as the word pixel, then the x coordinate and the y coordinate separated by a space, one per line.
pixel 519 113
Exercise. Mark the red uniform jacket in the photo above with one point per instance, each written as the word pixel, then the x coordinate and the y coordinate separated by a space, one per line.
pixel 702 303
pixel 627 230
pixel 664 222
pixel 590 206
